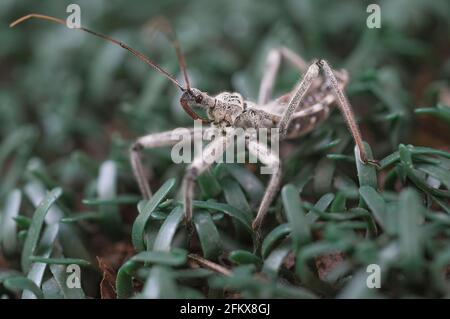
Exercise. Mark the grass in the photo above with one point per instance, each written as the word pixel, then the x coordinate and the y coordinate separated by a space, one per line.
pixel 71 106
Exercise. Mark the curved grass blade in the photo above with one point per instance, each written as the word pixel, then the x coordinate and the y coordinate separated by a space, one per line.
pixel 228 210
pixel 124 279
pixel 167 231
pixel 415 150
pixel 45 248
pixel 321 205
pixel 274 237
pixel 8 274
pixel 339 203
pixel 410 239
pixel 117 200
pixel 249 182
pixel 175 257
pixel 234 195
pixel 208 235
pixel 160 284
pixel 138 230
pixel 209 184
pixel 274 261
pixel 367 174
pixel 60 261
pixel 375 202
pixel 8 226
pixel 243 257
pixel 18 284
pixel 440 112
pixel 301 232
pixel 69 238
pixel 34 231
pixel 88 216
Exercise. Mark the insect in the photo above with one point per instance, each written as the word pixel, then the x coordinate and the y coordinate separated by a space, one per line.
pixel 294 114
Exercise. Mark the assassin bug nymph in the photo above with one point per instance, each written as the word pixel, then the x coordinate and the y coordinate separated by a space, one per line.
pixel 294 114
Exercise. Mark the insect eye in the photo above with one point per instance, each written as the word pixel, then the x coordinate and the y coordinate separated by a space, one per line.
pixel 198 99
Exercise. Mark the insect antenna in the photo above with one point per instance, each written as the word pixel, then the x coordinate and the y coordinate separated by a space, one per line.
pixel 136 53
pixel 162 25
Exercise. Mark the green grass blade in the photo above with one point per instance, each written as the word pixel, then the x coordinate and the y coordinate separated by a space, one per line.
pixel 375 202
pixel 275 259
pixel 167 231
pixel 8 226
pixel 60 261
pixel 208 235
pixel 45 248
pixel 301 232
pixel 229 210
pixel 243 257
pixel 138 230
pixel 36 226
pixel 160 284
pixel 18 284
pixel 234 195
pixel 367 174
pixel 274 237
pixel 249 182
pixel 176 257
pixel 410 212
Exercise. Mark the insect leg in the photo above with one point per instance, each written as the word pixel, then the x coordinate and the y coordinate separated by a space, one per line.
pixel 298 95
pixel 213 151
pixel 271 68
pixel 346 110
pixel 150 141
pixel 272 161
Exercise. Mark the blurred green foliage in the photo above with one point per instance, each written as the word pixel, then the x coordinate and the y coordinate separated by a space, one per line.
pixel 70 105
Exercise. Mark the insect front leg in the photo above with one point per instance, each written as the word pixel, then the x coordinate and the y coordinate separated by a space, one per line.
pixel 272 161
pixel 346 110
pixel 271 67
pixel 201 162
pixel 299 93
pixel 168 138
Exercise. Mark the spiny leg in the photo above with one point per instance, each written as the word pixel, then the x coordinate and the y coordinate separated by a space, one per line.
pixel 271 68
pixel 151 141
pixel 343 104
pixel 271 160
pixel 346 110
pixel 298 95
pixel 201 162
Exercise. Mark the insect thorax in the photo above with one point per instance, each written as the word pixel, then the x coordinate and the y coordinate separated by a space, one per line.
pixel 232 110
pixel 228 106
